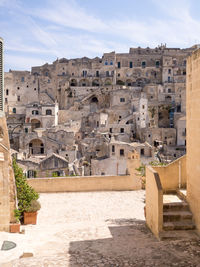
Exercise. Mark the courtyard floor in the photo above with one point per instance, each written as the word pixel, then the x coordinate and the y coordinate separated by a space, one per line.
pixel 98 229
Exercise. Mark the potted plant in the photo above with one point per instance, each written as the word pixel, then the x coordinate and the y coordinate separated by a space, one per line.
pixel 30 215
pixel 26 195
pixel 15 226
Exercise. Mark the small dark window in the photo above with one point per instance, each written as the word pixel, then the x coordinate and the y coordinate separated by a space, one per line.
pixel 122 99
pixel 7 92
pixel 142 151
pixel 18 98
pixel 97 124
pixel 121 152
pixel 169 90
pixel 169 79
pixel 107 73
pixel 113 149
pixel 14 110
pixel 157 64
pixel 110 130
pixel 118 75
pixel 130 64
pixel 48 112
pixel 6 100
pixel 143 64
pixel 119 65
pixel 97 73
pixel 169 71
pixel 26 130
pixel 122 130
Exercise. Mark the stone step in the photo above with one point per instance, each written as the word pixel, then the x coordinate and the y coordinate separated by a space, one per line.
pixel 182 225
pixel 169 216
pixel 176 206
pixel 179 235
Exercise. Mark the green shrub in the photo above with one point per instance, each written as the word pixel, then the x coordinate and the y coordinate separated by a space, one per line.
pixel 35 206
pixel 25 193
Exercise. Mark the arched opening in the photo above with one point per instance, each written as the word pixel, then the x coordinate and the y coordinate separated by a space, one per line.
pixel 95 83
pixel 73 82
pixel 84 82
pixel 128 82
pixel 108 82
pixel 35 124
pixel 93 104
pixel 36 147
pixel 94 100
pixel 48 112
pixel 14 110
pixel 120 82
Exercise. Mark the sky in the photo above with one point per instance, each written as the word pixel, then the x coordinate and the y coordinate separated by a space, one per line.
pixel 39 31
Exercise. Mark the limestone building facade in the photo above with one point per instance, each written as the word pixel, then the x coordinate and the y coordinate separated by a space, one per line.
pixel 76 107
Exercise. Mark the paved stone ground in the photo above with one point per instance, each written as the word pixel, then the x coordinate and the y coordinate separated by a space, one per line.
pixel 100 229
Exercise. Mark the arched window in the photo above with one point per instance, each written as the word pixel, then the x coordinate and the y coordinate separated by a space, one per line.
pixel 106 62
pixel 14 110
pixel 48 112
pixel 111 63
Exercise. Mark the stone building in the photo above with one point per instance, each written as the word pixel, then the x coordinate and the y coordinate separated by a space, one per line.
pixel 137 96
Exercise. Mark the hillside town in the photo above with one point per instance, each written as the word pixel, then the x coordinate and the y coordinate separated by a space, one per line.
pixel 83 116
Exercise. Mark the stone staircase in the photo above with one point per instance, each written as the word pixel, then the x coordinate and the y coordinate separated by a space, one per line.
pixel 177 217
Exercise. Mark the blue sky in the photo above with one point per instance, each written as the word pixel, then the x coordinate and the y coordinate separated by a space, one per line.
pixel 36 32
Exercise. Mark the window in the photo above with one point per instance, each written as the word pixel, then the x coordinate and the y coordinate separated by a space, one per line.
pixel 130 64
pixel 106 62
pixel 122 130
pixel 49 81
pixel 6 100
pixel 113 149
pixel 22 79
pixel 107 73
pixel 46 74
pixel 169 79
pixel 169 90
pixel 111 63
pixel 118 74
pixel 143 106
pixel 35 112
pixel 18 98
pixel 14 110
pixel 122 99
pixel 169 71
pixel 121 152
pixel 97 124
pixel 7 92
pixel 48 112
pixel 142 151
pixel 97 73
pixel 143 64
pixel 26 130
pixel 184 72
pixel 119 65
pixel 84 73
pixel 110 130
pixel 157 64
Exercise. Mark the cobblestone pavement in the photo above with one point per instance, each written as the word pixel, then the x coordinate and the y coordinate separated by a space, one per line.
pixel 100 229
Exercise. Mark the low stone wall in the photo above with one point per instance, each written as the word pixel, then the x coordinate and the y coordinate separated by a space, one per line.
pixel 171 174
pixel 86 183
pixel 154 201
